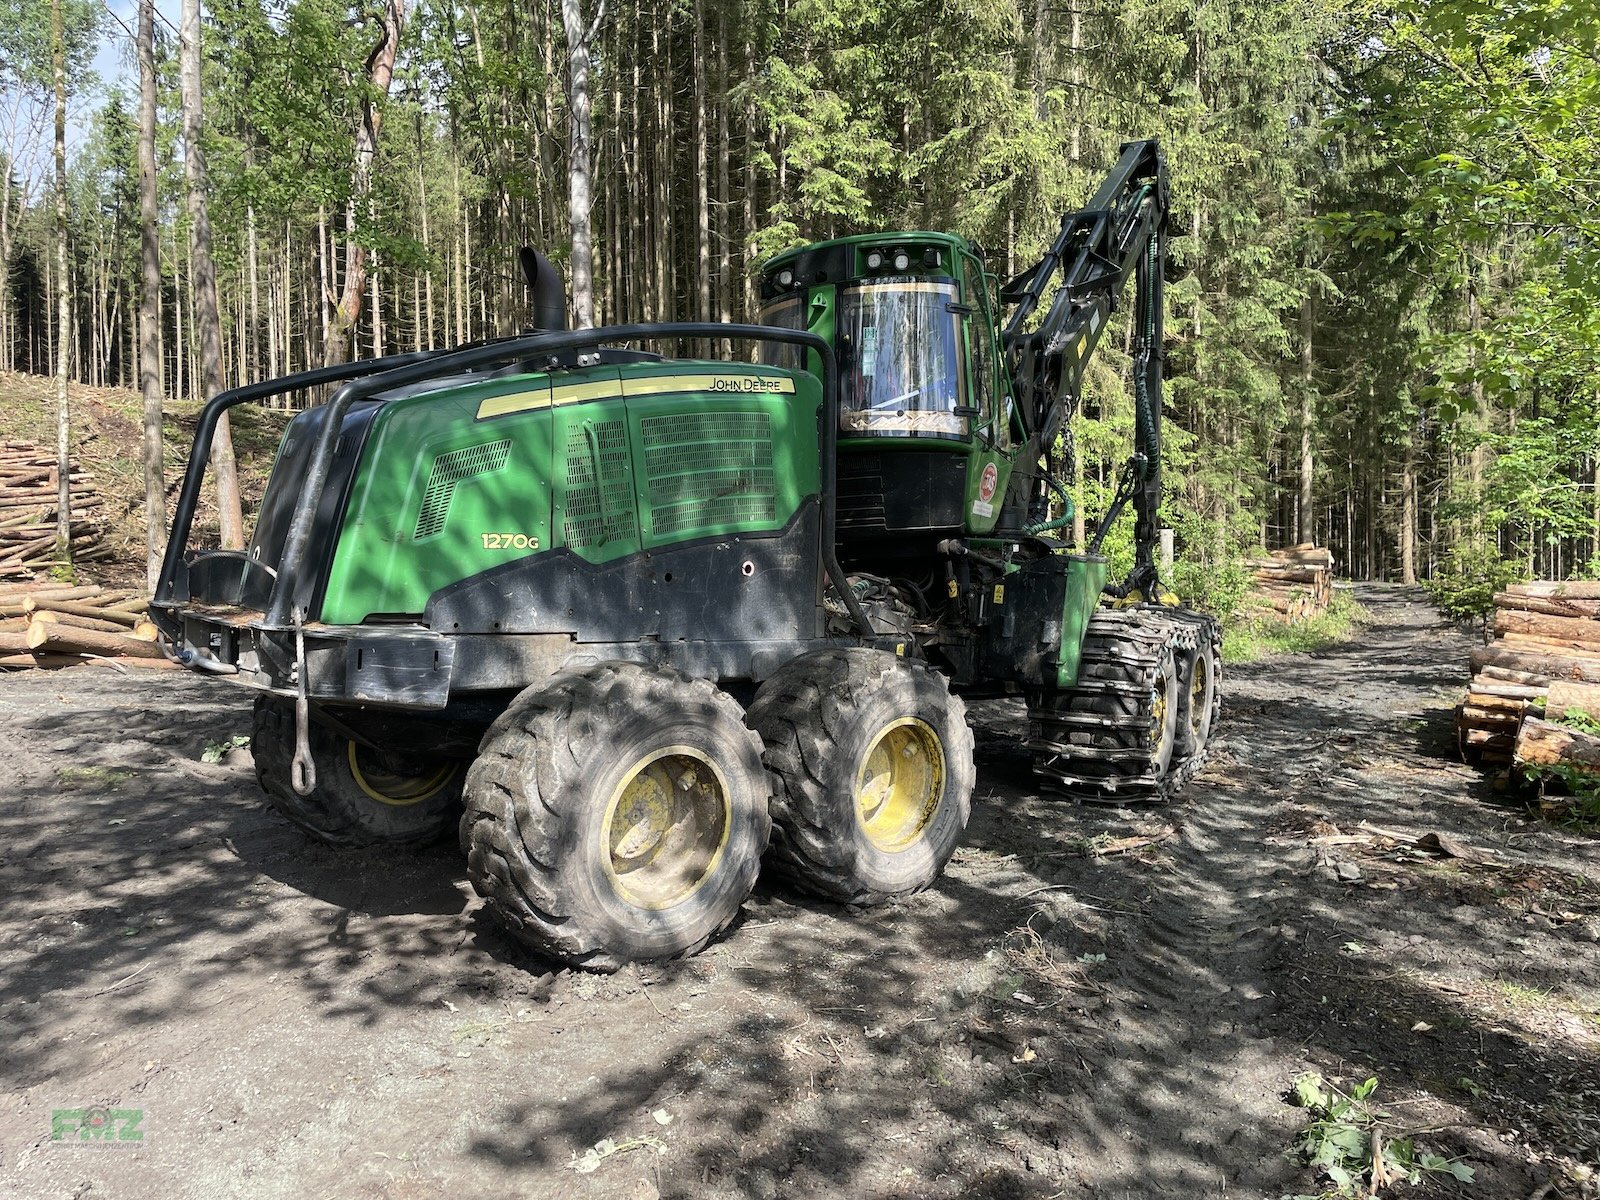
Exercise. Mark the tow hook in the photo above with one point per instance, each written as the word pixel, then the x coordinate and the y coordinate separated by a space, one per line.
pixel 302 771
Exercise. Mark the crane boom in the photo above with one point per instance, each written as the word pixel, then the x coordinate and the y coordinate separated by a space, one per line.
pixel 1122 232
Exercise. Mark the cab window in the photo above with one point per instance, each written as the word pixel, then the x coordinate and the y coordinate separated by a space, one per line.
pixel 980 332
pixel 899 359
pixel 786 312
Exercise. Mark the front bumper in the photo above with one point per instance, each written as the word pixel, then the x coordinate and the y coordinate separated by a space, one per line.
pixel 403 667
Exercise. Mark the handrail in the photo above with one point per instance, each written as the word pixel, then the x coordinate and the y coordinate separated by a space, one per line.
pixel 361 381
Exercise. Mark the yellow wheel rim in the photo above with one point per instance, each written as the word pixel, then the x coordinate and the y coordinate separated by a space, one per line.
pixel 900 783
pixel 398 789
pixel 666 825
pixel 1197 691
pixel 1160 703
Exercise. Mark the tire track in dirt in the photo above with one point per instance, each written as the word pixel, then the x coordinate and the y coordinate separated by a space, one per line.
pixel 1186 1099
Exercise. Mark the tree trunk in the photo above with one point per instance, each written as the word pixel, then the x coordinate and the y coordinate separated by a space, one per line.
pixel 250 347
pixel 208 323
pixel 380 72
pixel 1557 589
pixel 724 187
pixel 1546 664
pixel 58 72
pixel 1303 512
pixel 49 636
pixel 1555 606
pixel 702 198
pixel 425 341
pixel 579 199
pixel 8 357
pixel 155 487
pixel 1408 516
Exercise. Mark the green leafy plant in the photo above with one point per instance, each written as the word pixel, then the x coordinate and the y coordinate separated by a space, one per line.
pixel 1581 784
pixel 1216 588
pixel 1582 787
pixel 1464 585
pixel 1350 1141
pixel 215 752
pixel 1576 718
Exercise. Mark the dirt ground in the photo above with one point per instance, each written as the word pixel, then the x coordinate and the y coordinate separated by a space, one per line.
pixel 1056 1018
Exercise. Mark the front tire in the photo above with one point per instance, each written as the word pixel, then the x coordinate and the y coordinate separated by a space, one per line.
pixel 363 797
pixel 873 762
pixel 617 815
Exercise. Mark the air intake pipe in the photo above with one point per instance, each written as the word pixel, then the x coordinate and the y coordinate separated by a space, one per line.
pixel 549 293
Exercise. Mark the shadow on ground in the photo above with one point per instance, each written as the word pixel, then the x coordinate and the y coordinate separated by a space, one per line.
pixel 1045 1022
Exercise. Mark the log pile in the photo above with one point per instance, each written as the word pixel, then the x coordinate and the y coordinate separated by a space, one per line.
pixel 1544 661
pixel 28 494
pixel 57 626
pixel 1292 585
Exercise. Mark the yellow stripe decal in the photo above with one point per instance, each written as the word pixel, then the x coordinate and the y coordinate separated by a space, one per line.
pixel 499 406
pixel 578 393
pixel 653 385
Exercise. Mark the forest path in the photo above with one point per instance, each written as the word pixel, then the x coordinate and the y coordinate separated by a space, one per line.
pixel 1068 1013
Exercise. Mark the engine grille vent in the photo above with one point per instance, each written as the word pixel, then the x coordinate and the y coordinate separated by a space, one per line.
pixel 449 470
pixel 600 505
pixel 707 471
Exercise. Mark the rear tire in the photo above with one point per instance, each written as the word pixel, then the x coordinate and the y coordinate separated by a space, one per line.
pixel 617 815
pixel 872 758
pixel 363 797
pixel 1200 681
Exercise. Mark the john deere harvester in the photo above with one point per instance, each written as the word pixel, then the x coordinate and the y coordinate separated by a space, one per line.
pixel 635 623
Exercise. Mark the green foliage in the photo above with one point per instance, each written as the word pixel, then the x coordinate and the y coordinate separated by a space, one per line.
pixel 25 43
pixel 1215 588
pixel 215 752
pixel 1582 788
pixel 1350 1141
pixel 1263 637
pixel 1576 718
pixel 1464 585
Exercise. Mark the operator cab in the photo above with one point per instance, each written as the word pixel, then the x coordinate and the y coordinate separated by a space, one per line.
pixel 925 410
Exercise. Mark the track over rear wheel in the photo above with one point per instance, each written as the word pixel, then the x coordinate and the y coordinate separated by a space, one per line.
pixel 1201 691
pixel 872 759
pixel 1129 729
pixel 617 814
pixel 363 797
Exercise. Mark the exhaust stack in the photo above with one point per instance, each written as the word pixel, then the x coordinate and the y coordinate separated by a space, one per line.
pixel 549 293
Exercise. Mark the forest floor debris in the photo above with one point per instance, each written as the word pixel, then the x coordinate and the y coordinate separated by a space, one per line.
pixel 1048 1021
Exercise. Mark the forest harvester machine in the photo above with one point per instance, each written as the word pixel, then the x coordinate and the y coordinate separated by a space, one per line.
pixel 634 623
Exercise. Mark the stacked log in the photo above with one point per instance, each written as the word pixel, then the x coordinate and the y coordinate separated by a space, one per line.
pixel 1294 584
pixel 1544 659
pixel 1547 744
pixel 29 484
pixel 57 626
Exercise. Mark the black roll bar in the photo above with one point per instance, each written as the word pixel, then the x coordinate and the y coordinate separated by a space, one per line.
pixel 363 380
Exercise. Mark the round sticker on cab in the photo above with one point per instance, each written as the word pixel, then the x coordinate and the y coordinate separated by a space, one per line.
pixel 987 482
